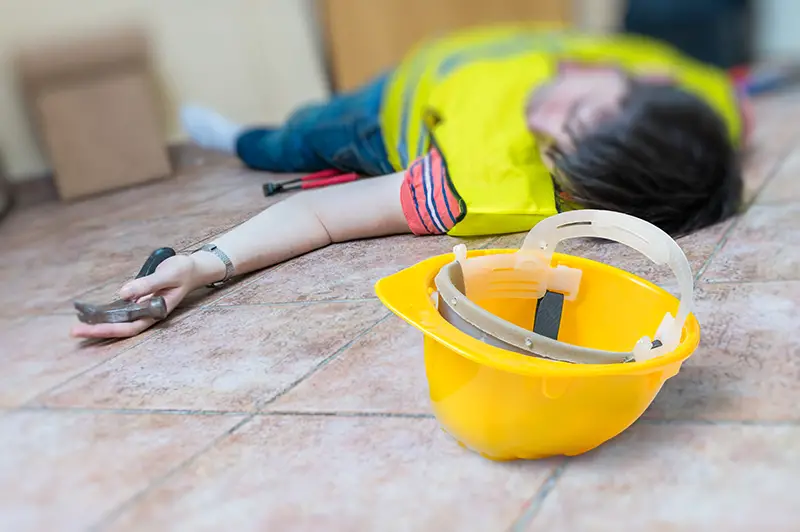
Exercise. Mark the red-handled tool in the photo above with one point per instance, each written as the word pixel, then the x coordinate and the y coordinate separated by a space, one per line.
pixel 319 179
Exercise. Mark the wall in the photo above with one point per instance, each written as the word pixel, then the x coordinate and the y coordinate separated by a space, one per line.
pixel 776 28
pixel 598 16
pixel 251 59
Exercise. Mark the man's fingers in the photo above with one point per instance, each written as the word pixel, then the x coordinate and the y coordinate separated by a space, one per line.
pixel 138 288
pixel 110 330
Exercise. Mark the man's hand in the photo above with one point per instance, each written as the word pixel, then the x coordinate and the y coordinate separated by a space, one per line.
pixel 173 279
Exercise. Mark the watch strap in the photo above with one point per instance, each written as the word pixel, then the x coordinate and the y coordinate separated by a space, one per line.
pixel 229 269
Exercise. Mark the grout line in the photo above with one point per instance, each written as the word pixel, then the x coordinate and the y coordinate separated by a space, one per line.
pixel 752 282
pixel 355 413
pixel 28 315
pixel 116 512
pixel 132 501
pixel 215 413
pixel 260 405
pixel 308 302
pixel 32 403
pixel 723 422
pixel 154 336
pixel 719 245
pixel 532 508
pixel 535 504
pixel 347 414
pixel 133 411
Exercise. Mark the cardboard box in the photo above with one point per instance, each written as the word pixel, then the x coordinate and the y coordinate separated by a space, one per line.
pixel 95 112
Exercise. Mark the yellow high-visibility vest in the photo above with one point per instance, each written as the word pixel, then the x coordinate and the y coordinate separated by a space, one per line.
pixel 467 94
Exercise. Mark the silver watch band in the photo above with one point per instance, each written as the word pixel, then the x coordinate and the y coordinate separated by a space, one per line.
pixel 229 269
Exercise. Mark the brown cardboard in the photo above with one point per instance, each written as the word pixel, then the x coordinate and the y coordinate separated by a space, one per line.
pixel 95 112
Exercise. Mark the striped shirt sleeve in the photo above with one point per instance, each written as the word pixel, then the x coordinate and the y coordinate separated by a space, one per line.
pixel 430 204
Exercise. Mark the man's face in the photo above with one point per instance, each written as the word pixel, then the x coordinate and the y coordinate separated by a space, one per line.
pixel 575 103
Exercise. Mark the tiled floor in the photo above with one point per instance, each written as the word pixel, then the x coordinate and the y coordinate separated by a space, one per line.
pixel 292 401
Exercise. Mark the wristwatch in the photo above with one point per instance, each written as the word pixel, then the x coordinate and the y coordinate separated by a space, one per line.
pixel 229 269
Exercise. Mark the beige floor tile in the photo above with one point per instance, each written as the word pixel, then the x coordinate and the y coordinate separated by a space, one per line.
pixel 671 478
pixel 748 364
pixel 784 187
pixel 383 371
pixel 344 271
pixel 64 471
pixel 764 246
pixel 325 473
pixel 760 165
pixel 222 359
pixel 38 354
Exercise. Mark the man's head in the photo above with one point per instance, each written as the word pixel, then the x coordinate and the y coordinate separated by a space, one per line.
pixel 645 148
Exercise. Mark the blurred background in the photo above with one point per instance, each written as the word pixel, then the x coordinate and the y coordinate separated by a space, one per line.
pixel 69 70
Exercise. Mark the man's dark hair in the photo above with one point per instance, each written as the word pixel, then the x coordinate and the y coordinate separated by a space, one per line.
pixel 666 157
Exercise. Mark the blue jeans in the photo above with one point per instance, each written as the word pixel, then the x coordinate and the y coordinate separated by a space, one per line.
pixel 343 133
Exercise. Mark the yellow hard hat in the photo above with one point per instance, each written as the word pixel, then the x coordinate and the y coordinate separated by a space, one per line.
pixel 534 353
